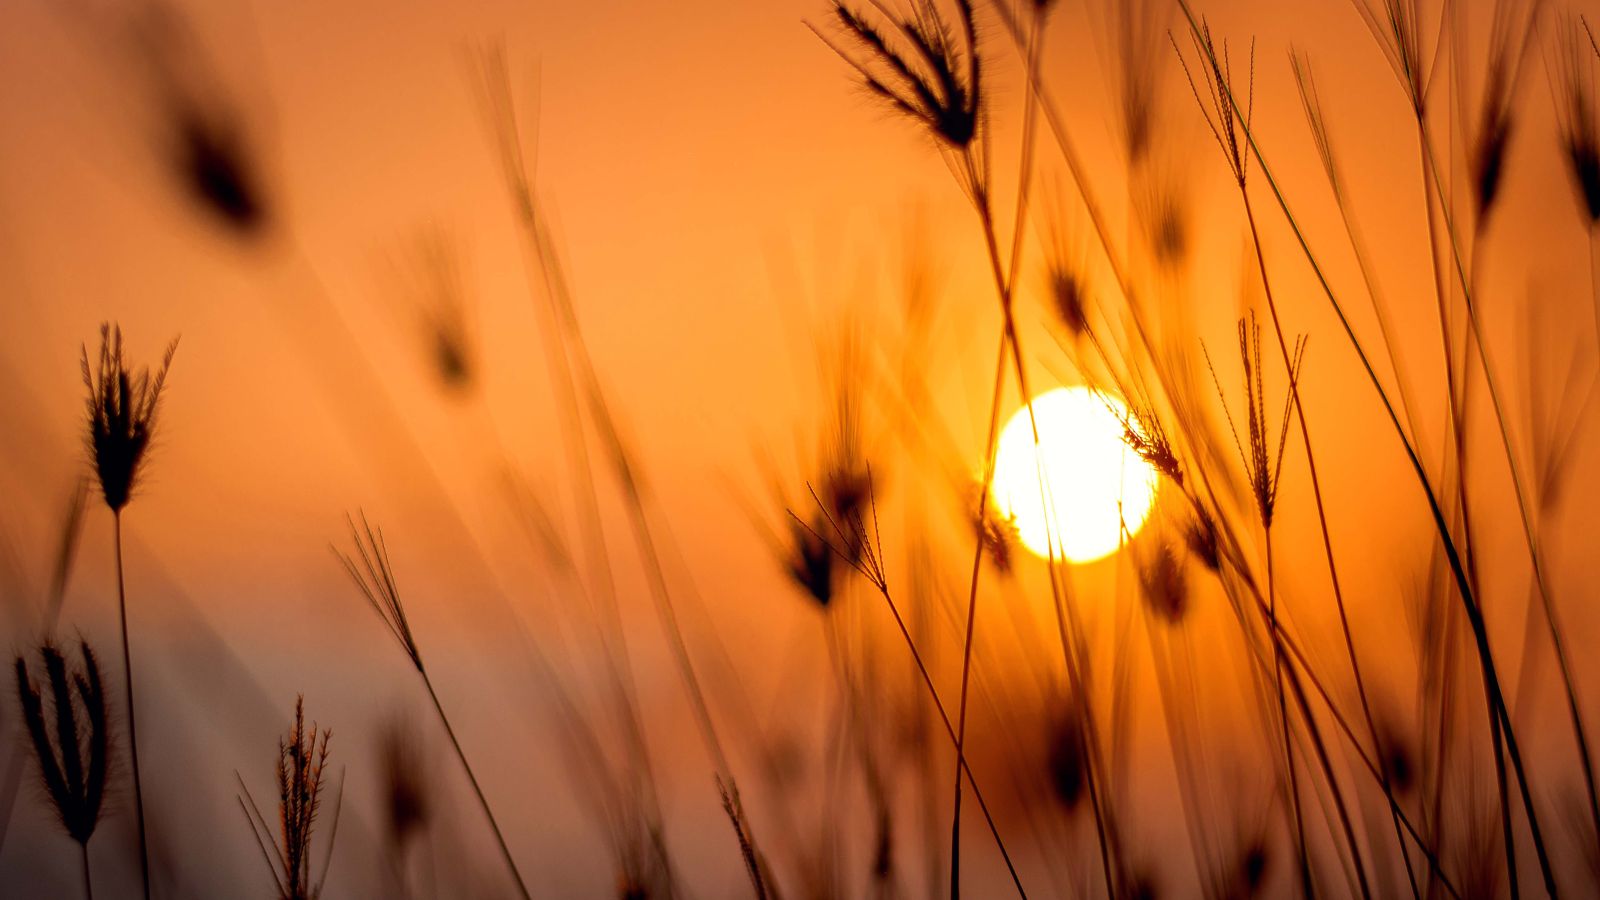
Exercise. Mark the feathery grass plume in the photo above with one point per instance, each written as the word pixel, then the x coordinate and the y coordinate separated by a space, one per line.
pixel 123 405
pixel 1262 464
pixel 1161 201
pixel 1144 434
pixel 1510 36
pixel 301 766
pixel 373 576
pixel 122 410
pixel 1229 125
pixel 1577 115
pixel 73 765
pixel 437 289
pixel 854 540
pixel 1200 536
pixel 1396 26
pixel 1067 284
pixel 1067 289
pixel 1164 585
pixel 936 84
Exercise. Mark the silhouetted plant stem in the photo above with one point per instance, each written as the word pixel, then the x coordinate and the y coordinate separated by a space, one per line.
pixel 1431 168
pixel 127 682
pixel 1327 546
pixel 483 801
pixel 1230 551
pixel 972 609
pixel 88 883
pixel 1452 554
pixel 982 201
pixel 1303 859
pixel 944 719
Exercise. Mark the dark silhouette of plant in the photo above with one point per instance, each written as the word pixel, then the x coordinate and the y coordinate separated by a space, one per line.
pixel 302 765
pixel 123 405
pixel 73 763
pixel 373 576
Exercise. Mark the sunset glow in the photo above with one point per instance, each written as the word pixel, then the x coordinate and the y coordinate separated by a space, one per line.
pixel 1096 484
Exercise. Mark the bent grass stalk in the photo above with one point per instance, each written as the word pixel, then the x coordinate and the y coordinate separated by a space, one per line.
pixel 123 406
pixel 374 577
pixel 870 567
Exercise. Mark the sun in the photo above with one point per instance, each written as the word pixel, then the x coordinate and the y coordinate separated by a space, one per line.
pixel 1096 484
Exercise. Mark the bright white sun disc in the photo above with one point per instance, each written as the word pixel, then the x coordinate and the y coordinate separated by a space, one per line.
pixel 1095 484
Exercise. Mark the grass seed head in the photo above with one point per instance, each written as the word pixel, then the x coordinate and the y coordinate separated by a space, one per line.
pixel 916 65
pixel 73 762
pixel 407 800
pixel 122 412
pixel 1065 758
pixel 1578 118
pixel 811 561
pixel 212 160
pixel 1200 536
pixel 1164 585
pixel 373 576
pixel 1263 465
pixel 301 767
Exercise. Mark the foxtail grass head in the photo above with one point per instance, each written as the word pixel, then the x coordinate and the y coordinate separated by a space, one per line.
pixel 301 768
pixel 1577 57
pixel 1065 759
pixel 123 404
pixel 369 568
pixel 1068 290
pixel 1262 463
pixel 1164 585
pixel 1510 36
pixel 915 64
pixel 1200 536
pixel 68 728
pixel 1144 434
pixel 213 163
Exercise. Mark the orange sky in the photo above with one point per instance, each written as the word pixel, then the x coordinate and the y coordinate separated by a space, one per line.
pixel 695 155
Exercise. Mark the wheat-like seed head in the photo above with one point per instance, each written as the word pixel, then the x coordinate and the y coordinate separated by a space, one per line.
pixel 1573 78
pixel 1262 463
pixel 73 761
pixel 936 84
pixel 122 408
